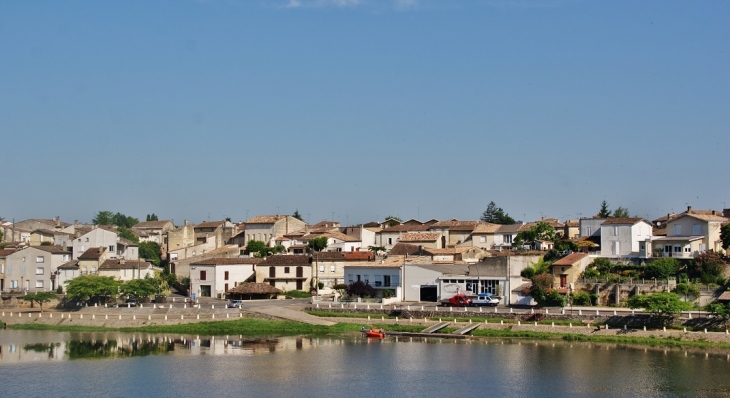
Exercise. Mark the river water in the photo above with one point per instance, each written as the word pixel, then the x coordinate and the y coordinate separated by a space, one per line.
pixel 60 364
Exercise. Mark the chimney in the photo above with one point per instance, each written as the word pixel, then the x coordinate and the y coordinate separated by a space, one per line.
pixel 58 221
pixel 726 213
pixel 689 209
pixel 186 223
pixel 714 213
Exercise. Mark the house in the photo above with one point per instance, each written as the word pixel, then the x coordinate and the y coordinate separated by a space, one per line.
pixel 336 241
pixel 34 268
pixel 571 229
pixel 181 266
pixel 33 224
pixel 431 240
pixel 156 231
pixel 384 276
pixel 469 254
pixel 267 228
pixel 543 245
pixel 568 270
pixel 689 234
pixel 216 276
pixel 624 237
pixel 329 267
pixel 286 272
pixel 91 260
pixel 13 234
pixel 193 240
pixel 3 255
pixel 453 232
pixel 106 236
pixel 591 227
pixel 390 236
pixel 126 270
pixel 425 281
pixel 66 272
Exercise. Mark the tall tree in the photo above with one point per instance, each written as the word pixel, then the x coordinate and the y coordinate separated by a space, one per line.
pixel 255 246
pixel 85 287
pixel 604 212
pixel 152 217
pixel 621 212
pixel 664 306
pixel 127 234
pixel 40 298
pixel 724 236
pixel 318 244
pixel 709 266
pixel 297 215
pixel 150 251
pixel 496 215
pixel 539 231
pixel 139 287
pixel 104 217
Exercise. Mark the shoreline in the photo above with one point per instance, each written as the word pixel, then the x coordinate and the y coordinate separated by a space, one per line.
pixel 251 324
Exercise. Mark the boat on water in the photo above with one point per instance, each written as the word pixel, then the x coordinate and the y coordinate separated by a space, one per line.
pixel 378 333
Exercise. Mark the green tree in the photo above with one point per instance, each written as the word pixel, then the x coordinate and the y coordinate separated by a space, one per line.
pixel 255 246
pixel 121 220
pixel 662 268
pixel 686 289
pixel 297 215
pixel 376 249
pixel 604 212
pixel 724 236
pixel 151 252
pixel 139 287
pixel 86 287
pixel 360 289
pixel 539 231
pixel 664 306
pixel 602 265
pixel 40 298
pixel 127 234
pixel 318 244
pixel 621 212
pixel 152 217
pixel 544 294
pixel 709 266
pixel 538 268
pixel 720 311
pixel 496 215
pixel 104 217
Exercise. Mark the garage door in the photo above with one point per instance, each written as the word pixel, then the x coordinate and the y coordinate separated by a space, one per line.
pixel 429 293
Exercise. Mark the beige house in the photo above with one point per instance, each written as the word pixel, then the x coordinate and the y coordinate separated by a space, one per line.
pixel 267 228
pixel 194 240
pixel 490 236
pixel 126 270
pixel 432 240
pixel 390 236
pixel 3 255
pixel 454 232
pixel 91 260
pixel 568 269
pixel 286 272
pixel 155 231
pixel 689 234
pixel 329 267
pixel 33 269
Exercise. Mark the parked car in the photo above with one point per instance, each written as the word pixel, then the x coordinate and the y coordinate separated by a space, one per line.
pixel 458 300
pixel 131 303
pixel 485 299
pixel 235 304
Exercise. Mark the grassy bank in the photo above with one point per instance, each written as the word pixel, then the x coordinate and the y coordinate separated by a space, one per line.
pixel 246 326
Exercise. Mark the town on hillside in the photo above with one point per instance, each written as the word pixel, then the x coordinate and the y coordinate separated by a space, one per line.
pixel 545 262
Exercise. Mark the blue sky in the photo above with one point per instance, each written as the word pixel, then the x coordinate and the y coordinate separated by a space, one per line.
pixel 361 109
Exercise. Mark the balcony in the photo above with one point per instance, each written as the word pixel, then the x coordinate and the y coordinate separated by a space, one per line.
pixel 678 254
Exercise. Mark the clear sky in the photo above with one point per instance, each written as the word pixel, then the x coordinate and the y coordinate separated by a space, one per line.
pixel 360 109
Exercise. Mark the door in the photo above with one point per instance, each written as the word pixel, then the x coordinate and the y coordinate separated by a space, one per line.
pixel 299 284
pixel 563 280
pixel 429 293
pixel 205 290
pixel 27 285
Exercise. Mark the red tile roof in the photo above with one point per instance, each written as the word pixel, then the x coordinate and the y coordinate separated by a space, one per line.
pixel 570 259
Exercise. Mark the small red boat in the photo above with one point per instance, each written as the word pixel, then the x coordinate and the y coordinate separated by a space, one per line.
pixel 375 333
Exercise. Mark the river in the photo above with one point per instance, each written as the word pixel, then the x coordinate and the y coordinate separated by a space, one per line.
pixel 111 364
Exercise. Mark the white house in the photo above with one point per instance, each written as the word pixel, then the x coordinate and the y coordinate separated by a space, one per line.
pixel 624 237
pixel 380 276
pixel 105 236
pixel 126 270
pixel 216 276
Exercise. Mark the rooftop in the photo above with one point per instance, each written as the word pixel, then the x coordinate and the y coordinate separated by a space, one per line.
pixel 229 261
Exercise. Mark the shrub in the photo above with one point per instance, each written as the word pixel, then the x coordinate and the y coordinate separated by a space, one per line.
pixel 591 273
pixel 581 298
pixel 662 268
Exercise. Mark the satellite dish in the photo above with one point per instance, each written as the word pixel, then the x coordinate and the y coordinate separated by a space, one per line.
pixel 658 223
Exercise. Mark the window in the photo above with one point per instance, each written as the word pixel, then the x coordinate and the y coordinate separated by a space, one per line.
pixel 482 239
pixel 82 248
pixel 87 239
pixel 321 268
pixel 686 249
pixel 13 284
pixel 23 259
pixel 111 249
pixel 286 270
pixel 40 259
pixel 93 270
pixel 22 270
pixel 39 284
pixel 202 275
pixel 10 270
pixel 332 268
pixel 507 239
pixel 615 231
pixel 677 249
pixel 390 241
pixel 225 277
pixel 696 229
pixel 588 231
pixel 677 229
pixel 39 270
pixel 367 278
pixel 386 280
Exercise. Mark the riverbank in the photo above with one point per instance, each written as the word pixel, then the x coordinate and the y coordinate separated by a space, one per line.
pixel 253 325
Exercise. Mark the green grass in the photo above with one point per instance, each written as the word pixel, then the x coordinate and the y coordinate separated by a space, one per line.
pixel 249 327
pixel 297 294
pixel 330 314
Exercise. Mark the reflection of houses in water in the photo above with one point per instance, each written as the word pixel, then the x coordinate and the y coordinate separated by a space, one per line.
pixel 121 345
